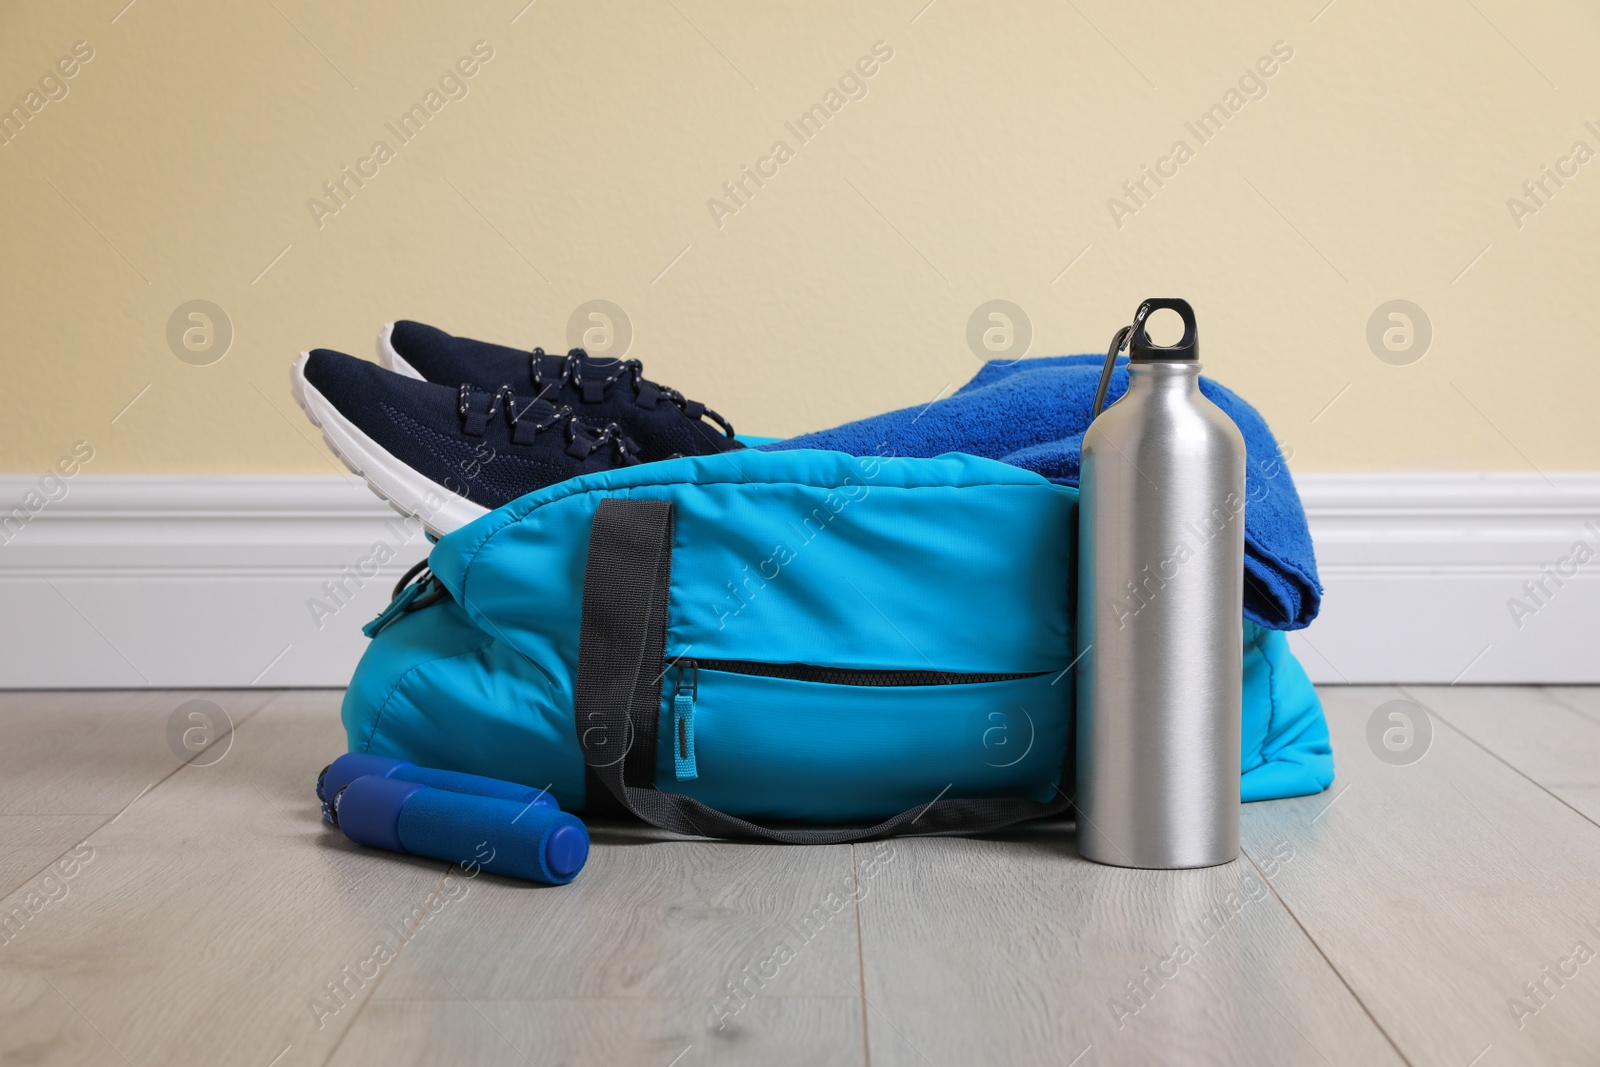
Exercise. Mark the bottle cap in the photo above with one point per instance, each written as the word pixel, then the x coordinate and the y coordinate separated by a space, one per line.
pixel 1140 348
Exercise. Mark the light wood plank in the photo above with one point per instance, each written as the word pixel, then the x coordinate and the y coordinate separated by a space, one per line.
pixel 1534 730
pixel 81 753
pixel 774 1032
pixel 1014 950
pixel 210 915
pixel 1585 698
pixel 1437 889
pixel 214 911
pixel 651 915
pixel 29 844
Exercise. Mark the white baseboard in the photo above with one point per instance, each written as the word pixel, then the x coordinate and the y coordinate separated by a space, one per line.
pixel 1419 569
pixel 213 580
pixel 204 581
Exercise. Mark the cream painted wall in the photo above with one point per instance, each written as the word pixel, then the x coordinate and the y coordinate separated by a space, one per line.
pixel 978 165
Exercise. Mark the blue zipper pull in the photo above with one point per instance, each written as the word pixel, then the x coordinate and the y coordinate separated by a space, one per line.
pixel 397 607
pixel 688 688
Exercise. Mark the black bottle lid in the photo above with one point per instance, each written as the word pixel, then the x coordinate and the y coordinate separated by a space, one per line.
pixel 1140 348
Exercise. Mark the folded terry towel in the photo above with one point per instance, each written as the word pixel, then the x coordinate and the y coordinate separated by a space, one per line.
pixel 1032 413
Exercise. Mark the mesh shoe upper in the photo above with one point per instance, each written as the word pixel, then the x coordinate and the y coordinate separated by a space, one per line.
pixel 601 391
pixel 489 446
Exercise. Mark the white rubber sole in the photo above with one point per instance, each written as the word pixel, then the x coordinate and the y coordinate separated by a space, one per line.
pixel 439 509
pixel 389 359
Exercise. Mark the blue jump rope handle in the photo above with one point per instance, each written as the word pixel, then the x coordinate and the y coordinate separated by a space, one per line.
pixel 352 765
pixel 516 839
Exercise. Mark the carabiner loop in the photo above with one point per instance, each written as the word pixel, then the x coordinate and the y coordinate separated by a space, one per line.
pixel 1105 371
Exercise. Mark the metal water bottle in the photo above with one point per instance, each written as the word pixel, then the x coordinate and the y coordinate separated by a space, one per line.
pixel 1160 608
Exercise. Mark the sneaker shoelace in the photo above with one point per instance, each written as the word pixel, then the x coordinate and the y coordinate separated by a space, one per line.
pixel 594 386
pixel 537 416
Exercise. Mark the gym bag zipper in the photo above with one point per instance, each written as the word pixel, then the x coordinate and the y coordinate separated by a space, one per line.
pixel 804 672
pixel 687 689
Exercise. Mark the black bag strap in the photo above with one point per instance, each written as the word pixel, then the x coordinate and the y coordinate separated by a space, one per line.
pixel 621 661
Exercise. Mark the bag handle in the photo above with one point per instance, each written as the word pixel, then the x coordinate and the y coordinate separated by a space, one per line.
pixel 621 650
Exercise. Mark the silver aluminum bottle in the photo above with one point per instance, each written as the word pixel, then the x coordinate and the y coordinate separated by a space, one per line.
pixel 1160 609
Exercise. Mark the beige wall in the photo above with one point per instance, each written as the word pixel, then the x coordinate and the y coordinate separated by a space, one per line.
pixel 979 164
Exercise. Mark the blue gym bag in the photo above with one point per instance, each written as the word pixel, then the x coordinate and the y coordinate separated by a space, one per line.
pixel 742 644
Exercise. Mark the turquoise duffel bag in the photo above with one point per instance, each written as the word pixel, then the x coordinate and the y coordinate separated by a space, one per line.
pixel 722 643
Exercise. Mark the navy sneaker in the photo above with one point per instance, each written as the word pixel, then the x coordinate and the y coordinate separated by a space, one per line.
pixel 446 454
pixel 663 421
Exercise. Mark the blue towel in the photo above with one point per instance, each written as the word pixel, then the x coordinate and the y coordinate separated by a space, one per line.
pixel 1032 413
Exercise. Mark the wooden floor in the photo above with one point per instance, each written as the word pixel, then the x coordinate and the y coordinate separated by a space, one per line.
pixel 1445 912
